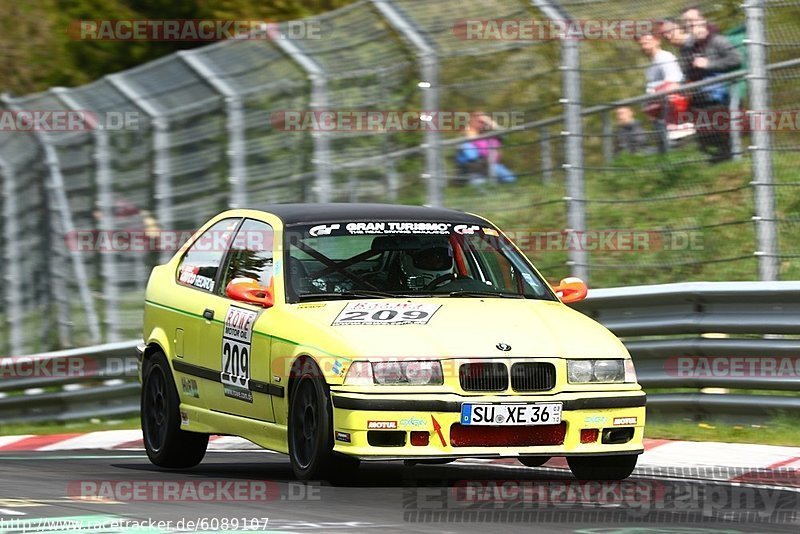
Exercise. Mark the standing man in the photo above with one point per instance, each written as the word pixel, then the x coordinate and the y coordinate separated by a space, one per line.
pixel 662 74
pixel 704 54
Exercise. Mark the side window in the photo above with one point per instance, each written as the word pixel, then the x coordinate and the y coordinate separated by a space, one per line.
pixel 200 264
pixel 251 254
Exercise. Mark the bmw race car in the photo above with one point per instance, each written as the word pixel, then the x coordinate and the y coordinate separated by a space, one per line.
pixel 340 333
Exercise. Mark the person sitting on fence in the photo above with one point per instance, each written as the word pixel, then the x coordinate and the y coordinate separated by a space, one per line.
pixel 478 159
pixel 472 168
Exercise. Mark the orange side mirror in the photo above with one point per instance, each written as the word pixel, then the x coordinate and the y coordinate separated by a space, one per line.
pixel 571 289
pixel 248 290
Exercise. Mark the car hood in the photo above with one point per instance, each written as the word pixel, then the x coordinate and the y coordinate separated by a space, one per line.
pixel 461 327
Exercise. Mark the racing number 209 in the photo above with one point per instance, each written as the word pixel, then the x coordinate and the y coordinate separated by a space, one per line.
pixel 236 362
pixel 384 315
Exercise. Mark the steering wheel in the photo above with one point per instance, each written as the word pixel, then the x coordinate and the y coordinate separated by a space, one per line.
pixel 436 282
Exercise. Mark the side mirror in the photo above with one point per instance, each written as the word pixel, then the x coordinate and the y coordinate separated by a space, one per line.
pixel 248 290
pixel 571 289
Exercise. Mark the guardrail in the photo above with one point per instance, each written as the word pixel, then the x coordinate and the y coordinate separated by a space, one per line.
pixel 721 335
pixel 701 335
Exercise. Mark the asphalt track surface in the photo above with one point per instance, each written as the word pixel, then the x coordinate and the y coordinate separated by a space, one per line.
pixel 39 489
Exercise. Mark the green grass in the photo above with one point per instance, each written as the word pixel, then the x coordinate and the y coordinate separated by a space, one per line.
pixel 671 195
pixel 779 430
pixel 78 427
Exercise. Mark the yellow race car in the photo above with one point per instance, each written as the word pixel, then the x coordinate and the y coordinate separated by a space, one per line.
pixel 337 333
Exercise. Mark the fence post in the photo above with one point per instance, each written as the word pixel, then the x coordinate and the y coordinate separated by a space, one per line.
pixel 429 83
pixel 546 154
pixel 608 137
pixel 234 107
pixel 10 255
pixel 319 102
pixel 161 146
pixel 573 131
pixel 764 192
pixel 105 201
pixel 60 204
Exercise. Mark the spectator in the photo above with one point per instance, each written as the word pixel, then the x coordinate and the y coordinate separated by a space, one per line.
pixel 706 53
pixel 662 74
pixel 478 158
pixel 629 135
pixel 489 149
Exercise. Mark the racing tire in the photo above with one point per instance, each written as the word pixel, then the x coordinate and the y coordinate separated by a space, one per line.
pixel 310 433
pixel 602 467
pixel 533 461
pixel 164 441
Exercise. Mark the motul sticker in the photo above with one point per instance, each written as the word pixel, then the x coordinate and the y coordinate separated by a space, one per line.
pixel 625 421
pixel 382 425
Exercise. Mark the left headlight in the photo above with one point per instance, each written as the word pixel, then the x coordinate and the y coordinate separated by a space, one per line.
pixel 600 371
pixel 395 373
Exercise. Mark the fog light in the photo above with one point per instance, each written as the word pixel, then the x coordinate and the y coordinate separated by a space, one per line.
pixel 589 435
pixel 419 438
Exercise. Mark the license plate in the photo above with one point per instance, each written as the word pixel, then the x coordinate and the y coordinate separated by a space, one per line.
pixel 511 414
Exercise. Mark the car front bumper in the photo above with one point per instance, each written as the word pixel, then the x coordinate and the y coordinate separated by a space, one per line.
pixel 358 417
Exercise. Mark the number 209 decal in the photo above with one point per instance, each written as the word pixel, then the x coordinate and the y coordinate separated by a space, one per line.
pixel 377 313
pixel 236 338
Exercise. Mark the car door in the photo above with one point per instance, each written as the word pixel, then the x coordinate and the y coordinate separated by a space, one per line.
pixel 196 282
pixel 231 344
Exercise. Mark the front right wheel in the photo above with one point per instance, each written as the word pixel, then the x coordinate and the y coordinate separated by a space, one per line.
pixel 602 467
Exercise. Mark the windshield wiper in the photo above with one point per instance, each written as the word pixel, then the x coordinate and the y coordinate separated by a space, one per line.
pixel 350 293
pixel 478 293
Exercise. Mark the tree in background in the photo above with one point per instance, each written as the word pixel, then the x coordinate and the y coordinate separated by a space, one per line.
pixel 37 52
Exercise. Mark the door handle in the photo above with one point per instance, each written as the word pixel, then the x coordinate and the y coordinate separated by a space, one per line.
pixel 209 314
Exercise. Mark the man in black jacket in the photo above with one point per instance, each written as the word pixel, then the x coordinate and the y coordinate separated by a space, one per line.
pixel 705 53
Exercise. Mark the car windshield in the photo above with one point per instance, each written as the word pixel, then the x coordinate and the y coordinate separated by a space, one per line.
pixel 396 258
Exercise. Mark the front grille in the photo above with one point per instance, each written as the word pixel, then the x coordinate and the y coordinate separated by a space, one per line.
pixel 483 376
pixel 533 376
pixel 507 436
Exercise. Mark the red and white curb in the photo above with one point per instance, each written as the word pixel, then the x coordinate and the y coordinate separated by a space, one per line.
pixel 105 440
pixel 731 462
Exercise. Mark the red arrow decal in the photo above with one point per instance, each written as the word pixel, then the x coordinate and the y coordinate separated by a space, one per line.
pixel 438 429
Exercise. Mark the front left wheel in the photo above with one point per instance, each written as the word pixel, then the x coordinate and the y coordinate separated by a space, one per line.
pixel 311 432
pixel 166 444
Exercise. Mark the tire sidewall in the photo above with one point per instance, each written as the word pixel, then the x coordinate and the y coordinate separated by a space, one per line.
pixel 324 437
pixel 158 363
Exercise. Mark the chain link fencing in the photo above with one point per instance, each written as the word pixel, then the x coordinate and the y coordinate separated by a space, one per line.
pixel 186 136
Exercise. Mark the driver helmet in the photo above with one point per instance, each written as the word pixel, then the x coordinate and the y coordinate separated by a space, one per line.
pixel 423 266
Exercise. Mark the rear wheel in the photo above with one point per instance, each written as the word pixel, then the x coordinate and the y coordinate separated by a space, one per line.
pixel 533 461
pixel 602 467
pixel 311 433
pixel 166 444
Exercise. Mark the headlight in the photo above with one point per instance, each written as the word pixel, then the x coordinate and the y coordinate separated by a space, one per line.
pixel 395 373
pixel 600 371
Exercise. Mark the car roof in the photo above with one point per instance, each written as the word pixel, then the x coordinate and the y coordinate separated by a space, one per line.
pixel 343 212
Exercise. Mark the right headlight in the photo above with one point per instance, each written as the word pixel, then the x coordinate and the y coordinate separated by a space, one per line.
pixel 601 371
pixel 395 373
